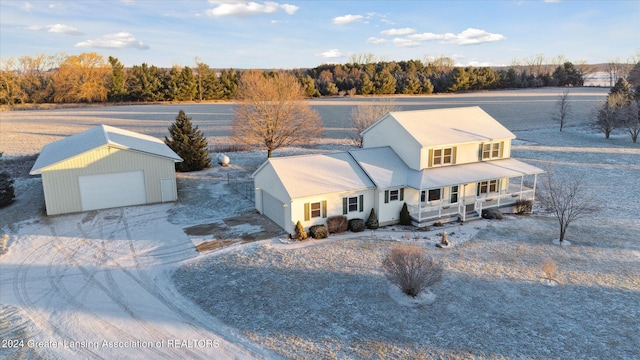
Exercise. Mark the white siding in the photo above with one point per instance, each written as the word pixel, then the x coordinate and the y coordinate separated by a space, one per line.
pixel 389 133
pixel 334 204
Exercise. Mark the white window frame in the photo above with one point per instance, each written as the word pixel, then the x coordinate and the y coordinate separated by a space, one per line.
pixel 353 206
pixel 394 195
pixel 443 159
pixel 491 151
pixel 488 185
pixel 313 211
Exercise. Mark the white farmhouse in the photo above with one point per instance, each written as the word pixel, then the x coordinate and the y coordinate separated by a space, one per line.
pixel 446 164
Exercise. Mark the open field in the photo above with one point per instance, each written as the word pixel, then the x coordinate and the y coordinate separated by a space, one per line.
pixel 26 132
pixel 134 274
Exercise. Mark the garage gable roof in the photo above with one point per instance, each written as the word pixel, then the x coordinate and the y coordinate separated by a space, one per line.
pixel 96 137
pixel 309 175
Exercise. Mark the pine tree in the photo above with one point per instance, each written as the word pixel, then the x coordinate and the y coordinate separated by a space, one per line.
pixel 6 189
pixel 189 143
pixel 405 217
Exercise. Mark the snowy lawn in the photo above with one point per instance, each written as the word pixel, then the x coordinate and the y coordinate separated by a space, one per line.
pixel 113 274
pixel 330 300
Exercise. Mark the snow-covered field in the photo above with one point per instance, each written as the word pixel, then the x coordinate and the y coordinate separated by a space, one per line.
pixel 132 277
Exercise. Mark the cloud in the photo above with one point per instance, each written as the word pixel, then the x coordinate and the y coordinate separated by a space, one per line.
pixel 121 40
pixel 375 40
pixel 330 54
pixel 27 6
pixel 404 42
pixel 398 32
pixel 248 8
pixel 347 19
pixel 470 36
pixel 57 28
pixel 64 29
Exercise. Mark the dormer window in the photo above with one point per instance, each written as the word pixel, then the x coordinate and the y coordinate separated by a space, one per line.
pixel 442 156
pixel 491 151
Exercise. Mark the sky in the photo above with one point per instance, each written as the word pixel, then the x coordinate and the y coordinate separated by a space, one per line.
pixel 305 34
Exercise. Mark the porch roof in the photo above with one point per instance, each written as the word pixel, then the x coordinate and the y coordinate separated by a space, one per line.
pixel 469 173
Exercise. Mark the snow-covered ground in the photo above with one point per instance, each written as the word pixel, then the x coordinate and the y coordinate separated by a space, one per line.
pixel 132 277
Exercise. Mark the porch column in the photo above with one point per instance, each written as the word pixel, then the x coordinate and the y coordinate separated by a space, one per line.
pixel 464 203
pixel 533 197
pixel 419 206
pixel 521 185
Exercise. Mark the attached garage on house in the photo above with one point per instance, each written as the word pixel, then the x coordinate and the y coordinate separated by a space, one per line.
pixel 106 167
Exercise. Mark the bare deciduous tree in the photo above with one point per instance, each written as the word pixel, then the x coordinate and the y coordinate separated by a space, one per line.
pixel 567 199
pixel 411 269
pixel 82 78
pixel 272 114
pixel 362 116
pixel 563 108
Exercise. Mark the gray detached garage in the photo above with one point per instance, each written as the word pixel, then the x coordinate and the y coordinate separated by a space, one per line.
pixel 106 167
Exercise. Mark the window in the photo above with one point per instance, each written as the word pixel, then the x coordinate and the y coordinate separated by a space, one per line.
pixel 434 194
pixel 454 194
pixel 443 156
pixel 316 210
pixel 393 195
pixel 491 151
pixel 486 187
pixel 353 204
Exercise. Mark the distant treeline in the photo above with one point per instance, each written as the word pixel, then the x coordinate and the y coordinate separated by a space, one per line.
pixel 88 78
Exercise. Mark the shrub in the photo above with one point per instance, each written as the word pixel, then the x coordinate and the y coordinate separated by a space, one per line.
pixel 300 233
pixel 411 269
pixel 337 224
pixel 523 207
pixel 549 268
pixel 372 222
pixel 7 193
pixel 357 225
pixel 491 213
pixel 318 232
pixel 405 217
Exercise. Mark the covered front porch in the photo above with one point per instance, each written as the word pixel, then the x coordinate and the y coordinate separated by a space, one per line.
pixel 490 184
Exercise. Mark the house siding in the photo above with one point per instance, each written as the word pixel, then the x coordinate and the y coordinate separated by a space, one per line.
pixel 407 148
pixel 62 189
pixel 334 207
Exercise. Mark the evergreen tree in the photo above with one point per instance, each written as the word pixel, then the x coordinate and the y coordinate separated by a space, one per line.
pixel 7 193
pixel 189 143
pixel 117 90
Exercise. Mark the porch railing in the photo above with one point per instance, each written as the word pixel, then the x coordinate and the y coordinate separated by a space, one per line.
pixel 425 213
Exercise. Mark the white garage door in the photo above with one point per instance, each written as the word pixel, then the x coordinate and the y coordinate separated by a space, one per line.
pixel 112 190
pixel 273 208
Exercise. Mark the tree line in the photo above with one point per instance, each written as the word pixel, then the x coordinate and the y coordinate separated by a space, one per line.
pixel 89 77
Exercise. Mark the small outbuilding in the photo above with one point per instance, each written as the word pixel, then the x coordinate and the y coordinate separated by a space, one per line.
pixel 106 167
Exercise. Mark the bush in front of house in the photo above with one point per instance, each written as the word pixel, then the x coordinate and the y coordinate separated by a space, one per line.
pixel 300 233
pixel 523 207
pixel 337 224
pixel 405 217
pixel 318 232
pixel 411 269
pixel 372 222
pixel 357 225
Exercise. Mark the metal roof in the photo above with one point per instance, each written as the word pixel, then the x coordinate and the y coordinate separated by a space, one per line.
pixel 309 175
pixel 448 126
pixel 434 178
pixel 96 137
pixel 385 168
